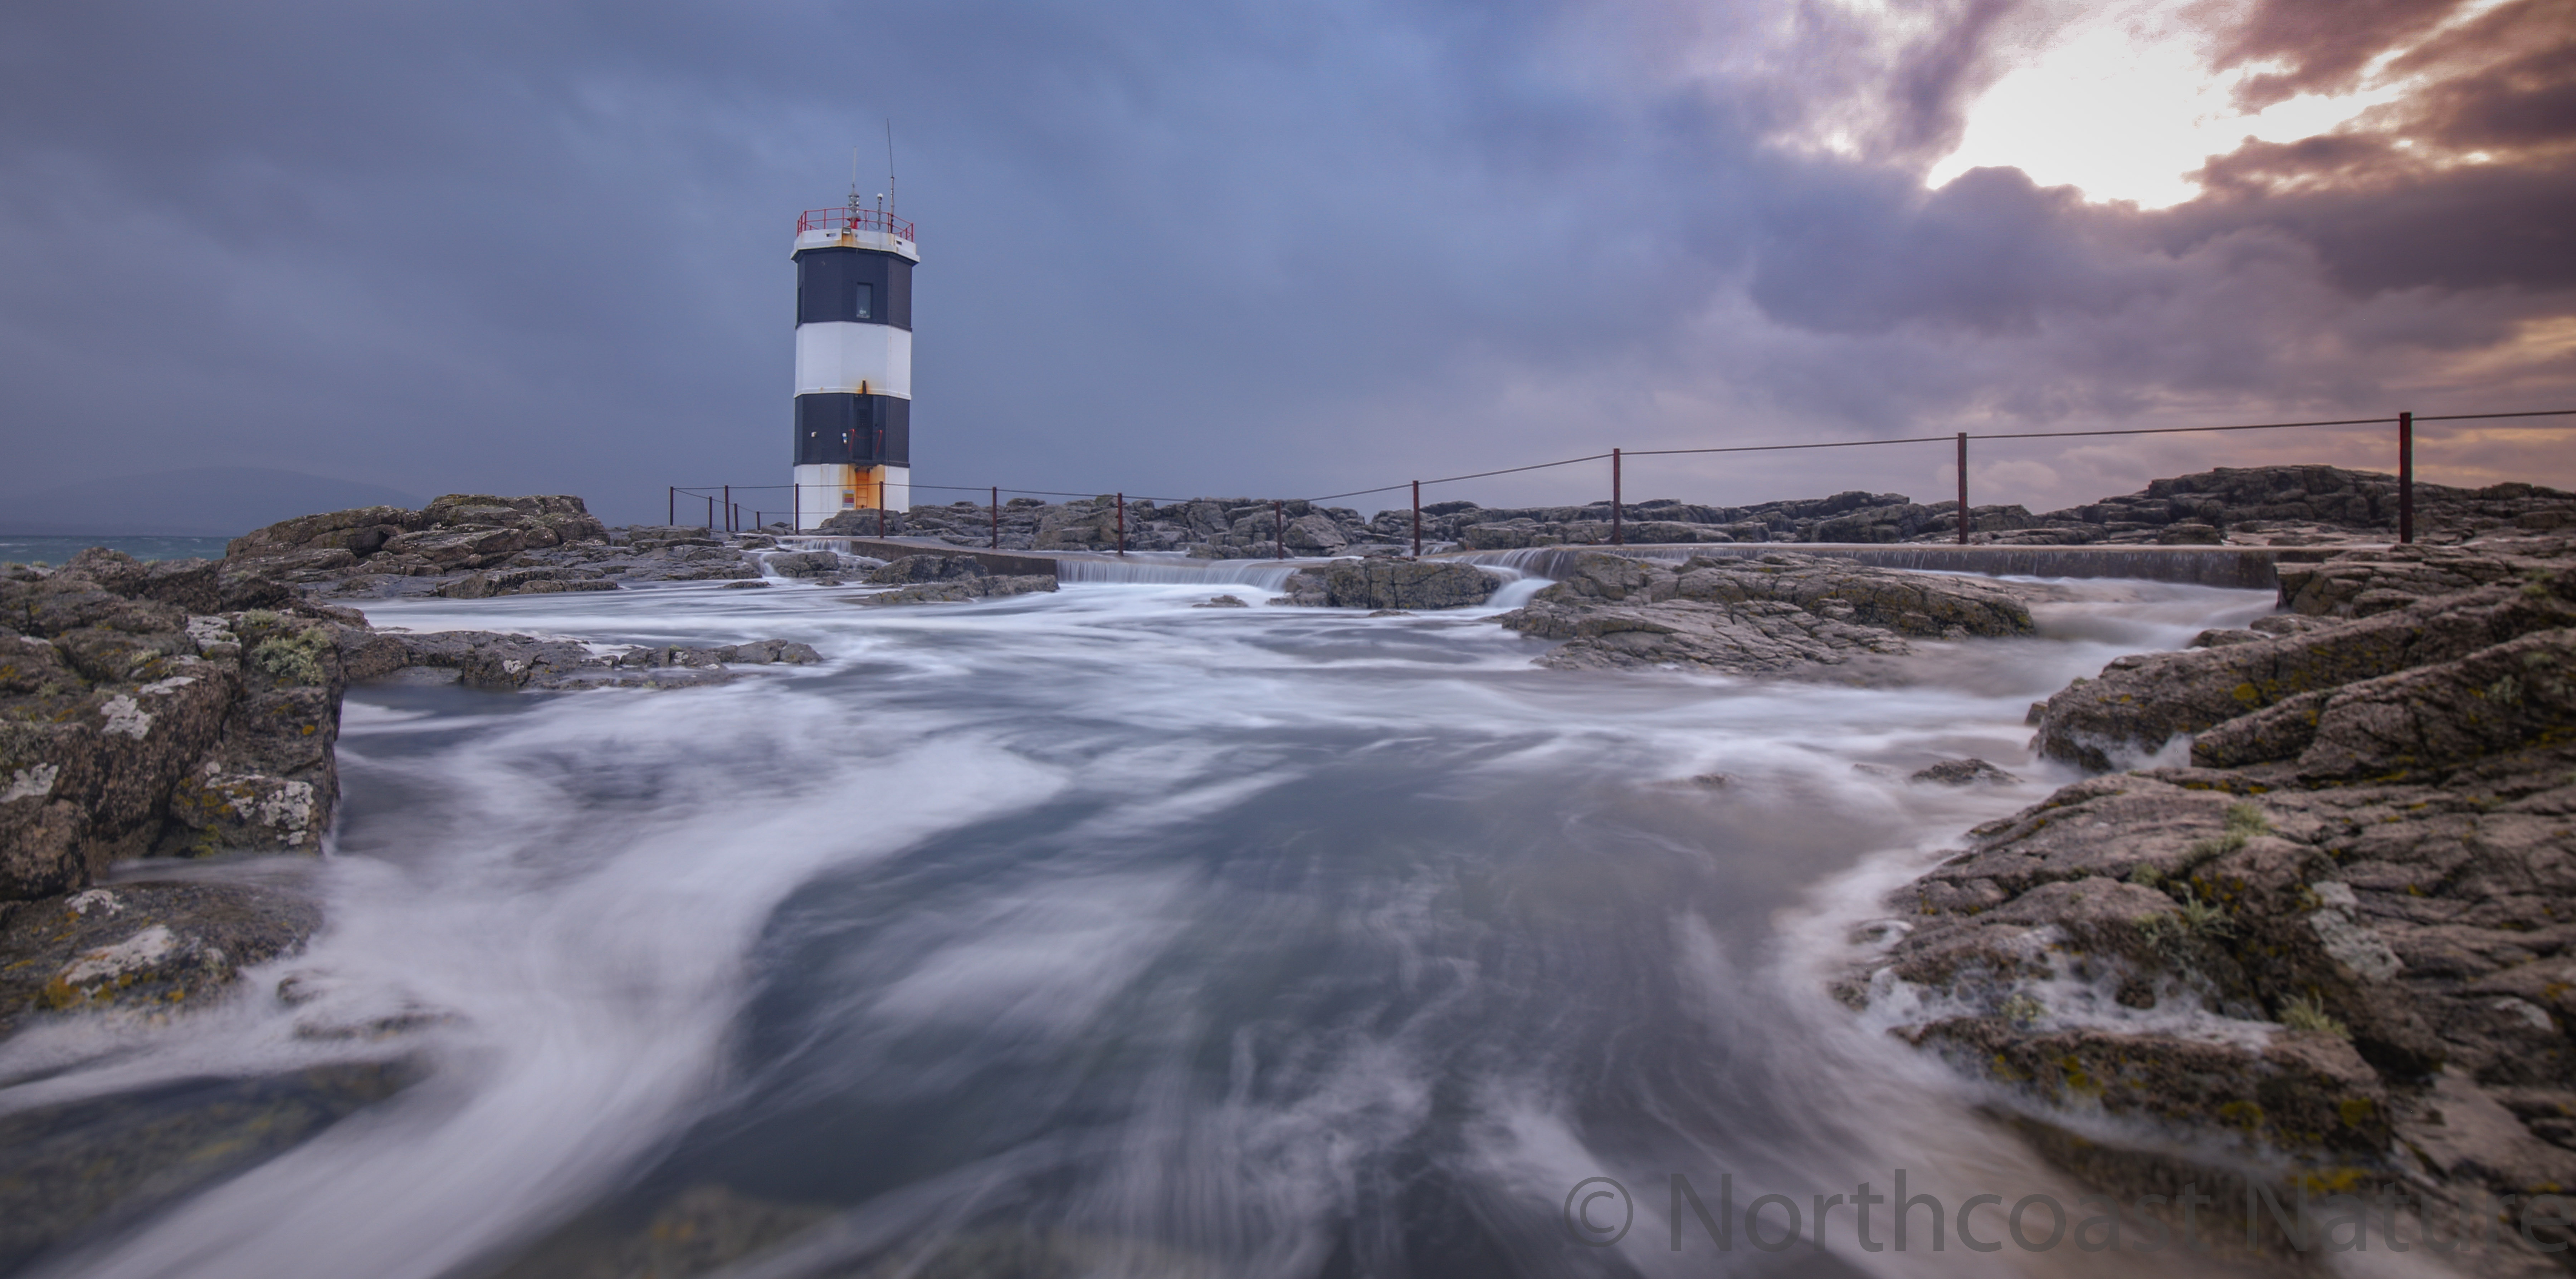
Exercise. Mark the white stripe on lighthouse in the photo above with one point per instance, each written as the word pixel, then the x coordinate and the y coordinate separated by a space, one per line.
pixel 840 356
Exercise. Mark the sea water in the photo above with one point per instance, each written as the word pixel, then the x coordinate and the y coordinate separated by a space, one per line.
pixel 1094 933
pixel 35 548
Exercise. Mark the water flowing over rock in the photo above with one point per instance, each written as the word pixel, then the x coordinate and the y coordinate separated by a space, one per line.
pixel 806 564
pixel 1777 613
pixel 960 588
pixel 131 725
pixel 2339 936
pixel 1962 772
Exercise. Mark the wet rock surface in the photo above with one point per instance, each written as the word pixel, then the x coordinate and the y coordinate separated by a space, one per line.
pixel 130 726
pixel 1962 772
pixel 2474 600
pixel 1406 584
pixel 466 546
pixel 140 950
pixel 487 659
pixel 81 1170
pixel 2340 937
pixel 946 579
pixel 1778 613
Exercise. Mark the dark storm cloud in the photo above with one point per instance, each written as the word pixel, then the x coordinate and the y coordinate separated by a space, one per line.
pixel 1173 246
pixel 1990 253
pixel 2340 269
pixel 2326 44
pixel 2463 185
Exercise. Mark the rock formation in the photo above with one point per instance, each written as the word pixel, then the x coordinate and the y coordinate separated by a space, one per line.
pixel 191 707
pixel 132 722
pixel 933 579
pixel 1387 584
pixel 2268 505
pixel 2340 937
pixel 1777 613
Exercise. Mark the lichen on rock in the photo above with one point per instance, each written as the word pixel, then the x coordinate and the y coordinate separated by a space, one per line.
pixel 2338 938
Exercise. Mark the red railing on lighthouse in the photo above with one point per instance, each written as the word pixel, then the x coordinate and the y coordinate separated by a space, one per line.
pixel 876 221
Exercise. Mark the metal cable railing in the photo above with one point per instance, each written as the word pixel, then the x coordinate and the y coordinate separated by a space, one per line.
pixel 722 506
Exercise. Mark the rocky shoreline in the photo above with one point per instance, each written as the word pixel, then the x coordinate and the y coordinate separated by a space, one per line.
pixel 2331 952
pixel 2334 946
pixel 156 714
pixel 2243 506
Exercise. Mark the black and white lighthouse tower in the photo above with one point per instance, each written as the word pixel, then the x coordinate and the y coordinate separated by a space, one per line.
pixel 853 362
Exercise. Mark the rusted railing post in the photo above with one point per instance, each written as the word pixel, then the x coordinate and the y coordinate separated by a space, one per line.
pixel 997 518
pixel 711 513
pixel 2406 477
pixel 795 508
pixel 881 506
pixel 1278 531
pixel 1963 488
pixel 1122 524
pixel 1616 536
pixel 673 516
pixel 1417 519
pixel 731 520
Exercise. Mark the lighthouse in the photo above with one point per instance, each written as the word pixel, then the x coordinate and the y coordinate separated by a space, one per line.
pixel 853 362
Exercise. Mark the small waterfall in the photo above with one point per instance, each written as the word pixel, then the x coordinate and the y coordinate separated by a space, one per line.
pixel 851 562
pixel 2241 567
pixel 1269 575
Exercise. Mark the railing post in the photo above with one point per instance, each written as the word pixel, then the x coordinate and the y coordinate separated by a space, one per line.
pixel 997 517
pixel 1417 519
pixel 1278 531
pixel 1122 524
pixel 1616 536
pixel 673 515
pixel 711 512
pixel 795 508
pixel 1963 488
pixel 2406 477
pixel 881 506
pixel 732 521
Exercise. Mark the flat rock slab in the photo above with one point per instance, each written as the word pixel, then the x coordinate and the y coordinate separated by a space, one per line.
pixel 141 950
pixel 1769 615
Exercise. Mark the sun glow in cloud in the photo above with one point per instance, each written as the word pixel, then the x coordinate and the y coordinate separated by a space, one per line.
pixel 2123 104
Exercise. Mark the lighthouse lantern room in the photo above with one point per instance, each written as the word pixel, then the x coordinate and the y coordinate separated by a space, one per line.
pixel 853 362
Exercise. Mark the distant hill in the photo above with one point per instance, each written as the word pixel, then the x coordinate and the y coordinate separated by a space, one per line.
pixel 207 501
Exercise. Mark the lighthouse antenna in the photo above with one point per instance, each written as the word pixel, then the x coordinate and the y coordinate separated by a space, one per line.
pixel 889 163
pixel 854 179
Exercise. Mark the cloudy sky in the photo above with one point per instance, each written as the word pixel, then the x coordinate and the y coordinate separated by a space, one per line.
pixel 1200 246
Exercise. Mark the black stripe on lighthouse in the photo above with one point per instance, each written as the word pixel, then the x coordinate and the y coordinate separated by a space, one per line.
pixel 838 285
pixel 842 428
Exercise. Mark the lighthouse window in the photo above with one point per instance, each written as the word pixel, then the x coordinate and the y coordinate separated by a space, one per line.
pixel 867 301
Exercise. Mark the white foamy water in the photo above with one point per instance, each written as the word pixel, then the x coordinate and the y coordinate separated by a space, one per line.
pixel 1095 934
